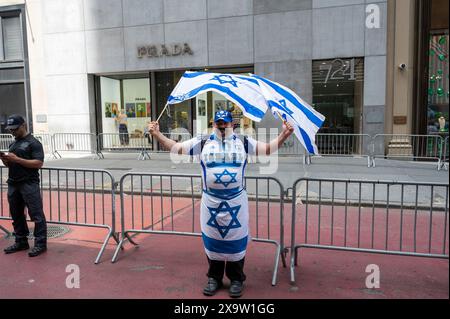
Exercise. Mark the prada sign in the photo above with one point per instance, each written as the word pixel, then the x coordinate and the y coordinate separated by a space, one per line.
pixel 159 50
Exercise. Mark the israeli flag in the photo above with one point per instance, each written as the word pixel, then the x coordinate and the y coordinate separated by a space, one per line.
pixel 305 120
pixel 244 91
pixel 224 225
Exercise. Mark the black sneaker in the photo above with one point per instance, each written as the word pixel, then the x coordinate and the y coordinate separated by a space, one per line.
pixel 36 251
pixel 16 247
pixel 236 288
pixel 211 287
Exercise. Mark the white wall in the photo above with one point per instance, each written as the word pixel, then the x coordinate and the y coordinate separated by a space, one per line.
pixel 136 91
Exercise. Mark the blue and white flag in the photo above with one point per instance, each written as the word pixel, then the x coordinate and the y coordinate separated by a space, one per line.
pixel 224 225
pixel 244 91
pixel 305 120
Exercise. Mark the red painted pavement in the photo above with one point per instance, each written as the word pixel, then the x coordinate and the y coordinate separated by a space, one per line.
pixel 175 267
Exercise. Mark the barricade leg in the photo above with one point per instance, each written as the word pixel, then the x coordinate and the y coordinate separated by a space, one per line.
pixel 143 156
pixel 306 159
pixel 116 253
pixel 283 257
pixel 125 236
pixel 105 242
pixel 293 261
pixel 277 262
pixel 56 155
pixel 7 232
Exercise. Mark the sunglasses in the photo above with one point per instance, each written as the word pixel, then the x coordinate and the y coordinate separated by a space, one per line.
pixel 15 129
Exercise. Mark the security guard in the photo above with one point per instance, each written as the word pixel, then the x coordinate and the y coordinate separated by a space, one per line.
pixel 224 211
pixel 24 159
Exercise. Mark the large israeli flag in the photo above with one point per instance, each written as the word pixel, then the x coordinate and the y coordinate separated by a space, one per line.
pixel 244 91
pixel 224 225
pixel 305 120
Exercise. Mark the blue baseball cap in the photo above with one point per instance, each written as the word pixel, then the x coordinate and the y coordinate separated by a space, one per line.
pixel 224 116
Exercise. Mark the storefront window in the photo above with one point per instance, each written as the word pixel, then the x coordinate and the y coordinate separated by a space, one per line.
pixel 338 94
pixel 125 109
pixel 438 88
pixel 11 43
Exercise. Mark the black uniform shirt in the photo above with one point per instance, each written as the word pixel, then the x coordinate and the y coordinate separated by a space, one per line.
pixel 28 148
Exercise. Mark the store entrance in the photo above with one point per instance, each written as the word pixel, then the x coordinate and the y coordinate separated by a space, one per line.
pixel 337 94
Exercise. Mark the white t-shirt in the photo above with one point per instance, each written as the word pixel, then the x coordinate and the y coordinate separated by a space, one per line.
pixel 223 163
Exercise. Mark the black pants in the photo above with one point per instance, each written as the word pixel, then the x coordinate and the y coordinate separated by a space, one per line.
pixel 233 269
pixel 123 134
pixel 27 194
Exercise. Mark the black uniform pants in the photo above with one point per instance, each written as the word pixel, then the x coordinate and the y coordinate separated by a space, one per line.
pixel 27 194
pixel 233 269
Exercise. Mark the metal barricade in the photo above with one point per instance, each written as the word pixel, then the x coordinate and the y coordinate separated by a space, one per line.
pixel 342 145
pixel 407 147
pixel 74 142
pixel 445 153
pixel 5 141
pixel 384 217
pixel 123 142
pixel 290 147
pixel 178 137
pixel 73 197
pixel 152 208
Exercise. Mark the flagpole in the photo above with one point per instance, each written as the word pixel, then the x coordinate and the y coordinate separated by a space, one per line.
pixel 281 118
pixel 167 104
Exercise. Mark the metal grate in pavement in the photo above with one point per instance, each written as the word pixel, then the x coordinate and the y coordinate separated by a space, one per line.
pixel 53 231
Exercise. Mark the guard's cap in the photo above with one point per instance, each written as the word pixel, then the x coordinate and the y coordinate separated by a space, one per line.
pixel 14 121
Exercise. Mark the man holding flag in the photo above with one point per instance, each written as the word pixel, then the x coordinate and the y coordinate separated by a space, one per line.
pixel 224 206
pixel 223 158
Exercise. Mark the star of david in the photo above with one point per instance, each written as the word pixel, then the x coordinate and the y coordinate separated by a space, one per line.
pixel 225 173
pixel 225 79
pixel 181 97
pixel 224 207
pixel 282 106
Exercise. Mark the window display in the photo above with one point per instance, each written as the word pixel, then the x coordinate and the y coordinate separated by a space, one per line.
pixel 126 110
pixel 438 89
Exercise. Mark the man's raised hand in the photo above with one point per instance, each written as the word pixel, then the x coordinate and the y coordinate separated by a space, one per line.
pixel 287 128
pixel 153 127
